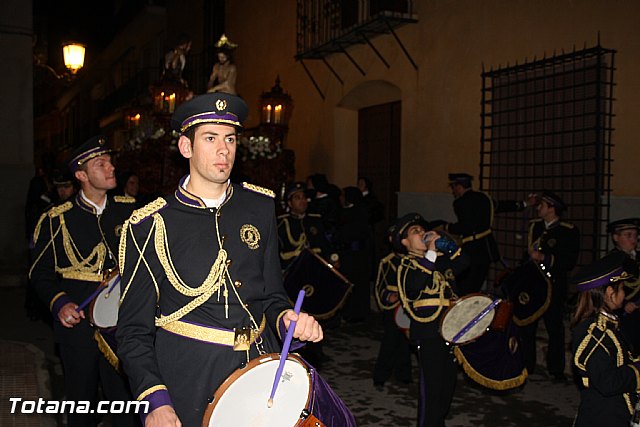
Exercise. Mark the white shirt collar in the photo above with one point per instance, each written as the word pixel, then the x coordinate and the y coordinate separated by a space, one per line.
pixel 99 209
pixel 210 203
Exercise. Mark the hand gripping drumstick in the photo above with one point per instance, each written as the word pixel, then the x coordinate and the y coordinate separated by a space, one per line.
pixel 95 294
pixel 285 348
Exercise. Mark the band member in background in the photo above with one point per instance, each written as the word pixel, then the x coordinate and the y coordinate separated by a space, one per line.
pixel 395 352
pixel 624 234
pixel 609 379
pixel 352 237
pixel 553 244
pixel 426 285
pixel 298 229
pixel 76 243
pixel 474 212
pixel 202 286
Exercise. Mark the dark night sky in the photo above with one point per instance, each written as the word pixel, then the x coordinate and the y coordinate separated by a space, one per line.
pixel 93 23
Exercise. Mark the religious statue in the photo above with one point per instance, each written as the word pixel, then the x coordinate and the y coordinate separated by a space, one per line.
pixel 175 60
pixel 223 74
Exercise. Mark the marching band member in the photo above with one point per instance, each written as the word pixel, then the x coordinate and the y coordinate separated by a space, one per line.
pixel 554 244
pixel 474 212
pixel 202 286
pixel 426 285
pixel 395 351
pixel 624 234
pixel 76 243
pixel 299 229
pixel 610 380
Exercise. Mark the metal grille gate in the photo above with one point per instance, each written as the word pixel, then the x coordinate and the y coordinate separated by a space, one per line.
pixel 546 124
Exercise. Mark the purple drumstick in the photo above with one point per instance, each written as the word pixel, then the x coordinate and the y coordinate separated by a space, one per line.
pixel 285 349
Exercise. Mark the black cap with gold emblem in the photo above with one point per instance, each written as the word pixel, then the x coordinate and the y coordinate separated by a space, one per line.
pixel 463 179
pixel 552 199
pixel 623 224
pixel 295 188
pixel 217 108
pixel 612 268
pixel 93 147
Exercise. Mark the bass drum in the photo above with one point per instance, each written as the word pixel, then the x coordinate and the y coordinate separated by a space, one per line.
pixel 302 398
pixel 326 289
pixel 495 359
pixel 529 289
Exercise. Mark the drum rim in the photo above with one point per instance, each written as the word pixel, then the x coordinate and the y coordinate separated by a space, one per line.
pixel 235 375
pixel 451 307
pixel 105 284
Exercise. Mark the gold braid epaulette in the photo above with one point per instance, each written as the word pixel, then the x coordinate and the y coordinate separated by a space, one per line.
pixel 51 213
pixel 567 224
pixel 147 210
pixel 124 199
pixel 59 210
pixel 258 189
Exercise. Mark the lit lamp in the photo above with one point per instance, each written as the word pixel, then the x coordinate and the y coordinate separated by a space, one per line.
pixel 275 106
pixel 73 56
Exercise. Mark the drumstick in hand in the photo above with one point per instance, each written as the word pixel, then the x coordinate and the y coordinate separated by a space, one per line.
pixel 285 348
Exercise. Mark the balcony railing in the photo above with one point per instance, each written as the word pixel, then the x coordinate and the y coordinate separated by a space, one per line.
pixel 329 26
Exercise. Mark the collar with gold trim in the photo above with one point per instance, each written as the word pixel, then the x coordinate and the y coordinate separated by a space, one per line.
pixel 85 205
pixel 187 198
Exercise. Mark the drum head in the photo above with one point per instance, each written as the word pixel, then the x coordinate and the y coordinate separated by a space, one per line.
pixel 402 320
pixel 104 310
pixel 241 401
pixel 461 314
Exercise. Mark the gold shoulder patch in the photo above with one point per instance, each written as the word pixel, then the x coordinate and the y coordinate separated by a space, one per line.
pixel 59 210
pixel 283 216
pixel 567 224
pixel 124 199
pixel 532 221
pixel 387 258
pixel 314 215
pixel 147 210
pixel 258 189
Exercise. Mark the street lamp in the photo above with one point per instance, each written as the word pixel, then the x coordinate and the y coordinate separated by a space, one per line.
pixel 73 56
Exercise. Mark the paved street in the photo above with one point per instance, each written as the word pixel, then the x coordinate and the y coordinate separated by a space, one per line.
pixel 30 369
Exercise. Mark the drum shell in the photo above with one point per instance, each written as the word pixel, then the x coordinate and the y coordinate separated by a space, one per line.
pixel 326 289
pixel 529 289
pixel 503 316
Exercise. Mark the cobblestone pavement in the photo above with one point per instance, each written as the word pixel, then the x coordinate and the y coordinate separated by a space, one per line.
pixel 353 348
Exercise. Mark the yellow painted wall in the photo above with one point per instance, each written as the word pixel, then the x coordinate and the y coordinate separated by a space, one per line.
pixel 440 100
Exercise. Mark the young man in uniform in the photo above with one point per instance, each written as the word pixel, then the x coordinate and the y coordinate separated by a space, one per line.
pixel 624 234
pixel 202 287
pixel 426 286
pixel 76 245
pixel 554 244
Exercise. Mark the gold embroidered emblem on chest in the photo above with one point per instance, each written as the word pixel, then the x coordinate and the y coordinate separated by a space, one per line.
pixel 250 235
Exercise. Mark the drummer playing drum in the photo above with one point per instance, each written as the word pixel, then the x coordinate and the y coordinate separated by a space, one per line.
pixel 426 285
pixel 202 287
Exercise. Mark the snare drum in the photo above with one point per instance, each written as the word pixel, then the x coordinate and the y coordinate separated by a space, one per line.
pixel 103 311
pixel 467 319
pixel 401 319
pixel 302 398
